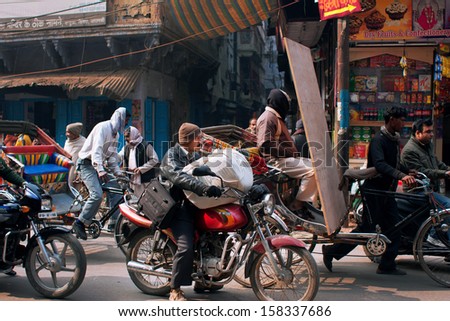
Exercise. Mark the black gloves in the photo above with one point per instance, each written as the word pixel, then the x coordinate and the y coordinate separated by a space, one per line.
pixel 213 191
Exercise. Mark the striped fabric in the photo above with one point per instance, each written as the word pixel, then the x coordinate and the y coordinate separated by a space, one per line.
pixel 211 18
pixel 32 159
pixel 46 178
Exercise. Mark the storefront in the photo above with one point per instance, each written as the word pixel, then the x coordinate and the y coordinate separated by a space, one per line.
pixel 392 62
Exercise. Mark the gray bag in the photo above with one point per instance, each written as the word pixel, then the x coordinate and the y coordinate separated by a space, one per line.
pixel 157 204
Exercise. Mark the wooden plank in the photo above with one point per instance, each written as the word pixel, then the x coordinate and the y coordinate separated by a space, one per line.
pixel 314 121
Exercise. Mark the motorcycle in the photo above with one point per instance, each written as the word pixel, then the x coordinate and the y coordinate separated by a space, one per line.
pixel 54 260
pixel 228 236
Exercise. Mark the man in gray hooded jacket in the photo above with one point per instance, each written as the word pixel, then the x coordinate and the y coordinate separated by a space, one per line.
pixel 100 148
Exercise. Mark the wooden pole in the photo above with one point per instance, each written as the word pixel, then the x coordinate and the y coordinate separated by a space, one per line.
pixel 342 108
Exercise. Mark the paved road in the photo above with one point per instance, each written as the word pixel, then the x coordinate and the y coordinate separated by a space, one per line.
pixel 353 279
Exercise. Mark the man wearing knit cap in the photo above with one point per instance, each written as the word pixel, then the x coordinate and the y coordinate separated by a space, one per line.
pixel 182 224
pixel 73 145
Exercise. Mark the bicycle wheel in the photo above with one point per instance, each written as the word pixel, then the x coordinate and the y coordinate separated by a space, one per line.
pixel 118 232
pixel 299 280
pixel 434 256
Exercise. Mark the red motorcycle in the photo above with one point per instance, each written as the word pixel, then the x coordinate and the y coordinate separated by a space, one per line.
pixel 227 237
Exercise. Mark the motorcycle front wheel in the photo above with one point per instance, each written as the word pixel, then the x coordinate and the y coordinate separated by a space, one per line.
pixel 67 269
pixel 161 259
pixel 299 280
pixel 275 229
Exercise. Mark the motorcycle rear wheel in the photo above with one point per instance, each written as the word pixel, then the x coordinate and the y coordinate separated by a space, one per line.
pixel 300 281
pixel 139 250
pixel 69 266
pixel 434 259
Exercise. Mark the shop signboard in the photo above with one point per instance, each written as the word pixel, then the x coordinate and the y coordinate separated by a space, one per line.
pixel 16 15
pixel 337 8
pixel 399 20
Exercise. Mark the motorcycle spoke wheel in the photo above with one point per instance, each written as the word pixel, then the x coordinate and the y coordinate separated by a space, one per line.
pixel 118 233
pixel 162 259
pixel 300 279
pixel 239 277
pixel 435 258
pixel 67 269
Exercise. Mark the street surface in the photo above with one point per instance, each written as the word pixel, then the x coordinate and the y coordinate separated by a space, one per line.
pixel 353 279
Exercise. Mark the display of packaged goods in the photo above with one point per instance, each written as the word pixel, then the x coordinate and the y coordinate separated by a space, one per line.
pixel 403 98
pixel 354 97
pixel 385 97
pixel 420 98
pixel 413 98
pixel 360 83
pixel 414 84
pixel 354 112
pixel 367 97
pixel 360 149
pixel 399 84
pixel 424 82
pixel 366 83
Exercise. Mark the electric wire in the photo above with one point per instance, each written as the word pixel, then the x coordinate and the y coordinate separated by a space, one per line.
pixel 180 40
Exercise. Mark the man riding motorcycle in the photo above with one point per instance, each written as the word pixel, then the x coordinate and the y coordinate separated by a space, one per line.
pixel 182 224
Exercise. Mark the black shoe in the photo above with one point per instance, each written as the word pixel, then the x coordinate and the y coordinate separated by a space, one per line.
pixel 327 258
pixel 11 273
pixel 79 230
pixel 200 288
pixel 391 272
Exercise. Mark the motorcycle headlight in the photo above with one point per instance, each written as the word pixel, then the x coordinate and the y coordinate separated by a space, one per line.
pixel 268 202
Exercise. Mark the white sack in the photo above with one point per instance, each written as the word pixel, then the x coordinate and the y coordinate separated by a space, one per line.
pixel 231 166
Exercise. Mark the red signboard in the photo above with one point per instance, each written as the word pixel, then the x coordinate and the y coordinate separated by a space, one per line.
pixel 337 8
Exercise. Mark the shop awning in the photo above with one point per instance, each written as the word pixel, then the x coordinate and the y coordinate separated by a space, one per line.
pixel 113 84
pixel 208 19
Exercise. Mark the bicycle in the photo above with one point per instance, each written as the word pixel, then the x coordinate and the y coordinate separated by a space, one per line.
pixel 107 210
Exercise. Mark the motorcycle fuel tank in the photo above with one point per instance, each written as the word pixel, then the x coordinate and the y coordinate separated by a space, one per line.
pixel 224 218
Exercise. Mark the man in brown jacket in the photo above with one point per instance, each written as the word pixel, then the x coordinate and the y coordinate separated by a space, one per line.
pixel 276 145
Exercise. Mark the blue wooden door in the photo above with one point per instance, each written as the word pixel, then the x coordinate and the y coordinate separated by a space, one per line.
pixel 67 112
pixel 162 135
pixel 156 117
pixel 14 110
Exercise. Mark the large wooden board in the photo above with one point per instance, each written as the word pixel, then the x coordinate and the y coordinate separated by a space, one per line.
pixel 314 121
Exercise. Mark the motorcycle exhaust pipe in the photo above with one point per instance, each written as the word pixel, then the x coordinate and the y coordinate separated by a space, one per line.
pixel 147 269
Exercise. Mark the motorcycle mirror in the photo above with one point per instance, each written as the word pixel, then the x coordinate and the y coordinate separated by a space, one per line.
pixel 203 171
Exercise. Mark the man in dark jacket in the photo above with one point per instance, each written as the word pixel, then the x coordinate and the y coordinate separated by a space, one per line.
pixel 300 141
pixel 384 155
pixel 11 176
pixel 182 224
